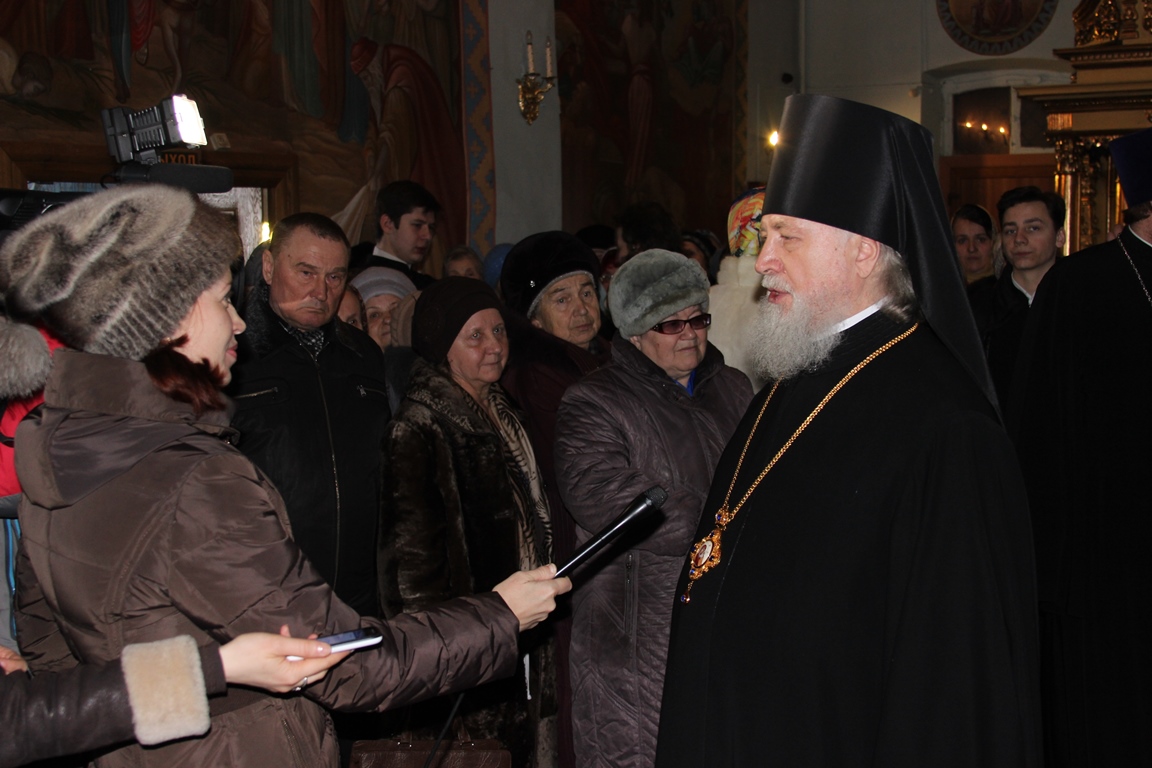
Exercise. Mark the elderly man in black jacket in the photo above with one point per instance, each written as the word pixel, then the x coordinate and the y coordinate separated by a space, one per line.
pixel 311 404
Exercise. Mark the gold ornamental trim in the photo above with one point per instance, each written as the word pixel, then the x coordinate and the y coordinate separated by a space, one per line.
pixel 1106 55
pixel 1097 21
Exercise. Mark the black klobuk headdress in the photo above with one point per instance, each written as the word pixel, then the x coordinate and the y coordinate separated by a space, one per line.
pixel 872 172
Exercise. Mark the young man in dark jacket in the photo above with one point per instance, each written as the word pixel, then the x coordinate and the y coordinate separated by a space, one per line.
pixel 1032 231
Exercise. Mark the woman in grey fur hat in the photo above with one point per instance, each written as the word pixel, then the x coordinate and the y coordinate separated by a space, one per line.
pixel 142 522
pixel 659 414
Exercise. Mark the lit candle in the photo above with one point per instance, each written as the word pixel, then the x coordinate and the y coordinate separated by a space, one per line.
pixel 548 56
pixel 531 56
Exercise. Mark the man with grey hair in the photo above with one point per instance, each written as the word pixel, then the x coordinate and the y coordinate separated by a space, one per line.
pixel 785 344
pixel 861 589
pixel 311 404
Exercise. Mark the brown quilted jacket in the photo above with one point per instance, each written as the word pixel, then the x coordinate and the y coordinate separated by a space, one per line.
pixel 141 523
pixel 621 430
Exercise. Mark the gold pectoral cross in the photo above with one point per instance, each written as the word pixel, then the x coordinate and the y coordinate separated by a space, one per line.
pixel 706 553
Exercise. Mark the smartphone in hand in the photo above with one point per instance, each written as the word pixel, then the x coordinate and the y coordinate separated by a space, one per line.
pixel 349 641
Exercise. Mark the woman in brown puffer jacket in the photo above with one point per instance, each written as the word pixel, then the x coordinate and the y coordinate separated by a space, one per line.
pixel 660 414
pixel 154 692
pixel 142 522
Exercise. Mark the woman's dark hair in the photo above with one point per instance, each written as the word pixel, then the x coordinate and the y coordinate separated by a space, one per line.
pixel 977 215
pixel 197 384
pixel 597 236
pixel 646 225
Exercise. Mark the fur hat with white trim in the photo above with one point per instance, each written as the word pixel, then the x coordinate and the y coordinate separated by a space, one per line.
pixel 652 286
pixel 112 273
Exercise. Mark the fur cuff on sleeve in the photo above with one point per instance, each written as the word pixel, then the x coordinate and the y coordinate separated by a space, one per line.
pixel 166 689
pixel 27 360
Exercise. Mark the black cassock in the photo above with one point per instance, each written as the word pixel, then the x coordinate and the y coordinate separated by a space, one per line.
pixel 875 600
pixel 1083 427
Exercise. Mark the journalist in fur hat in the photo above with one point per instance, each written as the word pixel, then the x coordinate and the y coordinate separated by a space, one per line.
pixel 141 516
pixel 113 274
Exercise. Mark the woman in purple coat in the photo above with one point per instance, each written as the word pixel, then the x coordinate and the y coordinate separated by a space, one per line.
pixel 659 414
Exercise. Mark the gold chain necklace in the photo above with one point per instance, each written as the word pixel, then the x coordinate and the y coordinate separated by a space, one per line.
pixel 1129 257
pixel 705 555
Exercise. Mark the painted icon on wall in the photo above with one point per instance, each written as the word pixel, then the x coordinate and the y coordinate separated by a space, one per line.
pixel 994 27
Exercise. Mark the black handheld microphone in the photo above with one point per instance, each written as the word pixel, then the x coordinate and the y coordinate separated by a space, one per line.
pixel 641 507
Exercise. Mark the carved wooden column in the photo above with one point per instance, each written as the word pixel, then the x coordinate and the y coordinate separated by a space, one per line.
pixel 1081 165
pixel 1110 95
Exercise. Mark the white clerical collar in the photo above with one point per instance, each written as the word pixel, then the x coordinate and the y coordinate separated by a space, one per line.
pixel 844 325
pixel 1139 238
pixel 1021 289
pixel 378 251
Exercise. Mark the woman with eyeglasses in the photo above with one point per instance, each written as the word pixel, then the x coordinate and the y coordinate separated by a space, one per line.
pixel 659 414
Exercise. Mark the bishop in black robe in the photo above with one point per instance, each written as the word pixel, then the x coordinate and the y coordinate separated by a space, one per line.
pixel 1084 436
pixel 874 601
pixel 874 604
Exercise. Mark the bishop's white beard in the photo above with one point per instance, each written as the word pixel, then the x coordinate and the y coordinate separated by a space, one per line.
pixel 785 342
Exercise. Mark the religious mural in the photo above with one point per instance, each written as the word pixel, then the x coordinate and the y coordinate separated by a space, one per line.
pixel 639 81
pixel 994 27
pixel 362 92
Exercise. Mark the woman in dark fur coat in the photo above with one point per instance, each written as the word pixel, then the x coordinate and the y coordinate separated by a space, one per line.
pixel 463 505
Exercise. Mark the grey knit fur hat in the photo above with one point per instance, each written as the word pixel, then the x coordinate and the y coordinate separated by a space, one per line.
pixel 112 273
pixel 653 285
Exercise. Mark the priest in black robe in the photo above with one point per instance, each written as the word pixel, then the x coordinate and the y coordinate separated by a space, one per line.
pixel 862 592
pixel 1084 434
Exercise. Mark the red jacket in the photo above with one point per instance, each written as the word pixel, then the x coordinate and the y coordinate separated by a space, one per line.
pixel 9 420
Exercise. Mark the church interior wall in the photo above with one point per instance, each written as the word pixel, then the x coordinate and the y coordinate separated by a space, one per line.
pixel 527 157
pixel 655 106
pixel 892 54
pixel 344 95
pixel 869 52
pixel 742 59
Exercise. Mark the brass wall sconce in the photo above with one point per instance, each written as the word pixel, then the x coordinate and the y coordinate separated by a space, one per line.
pixel 533 85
